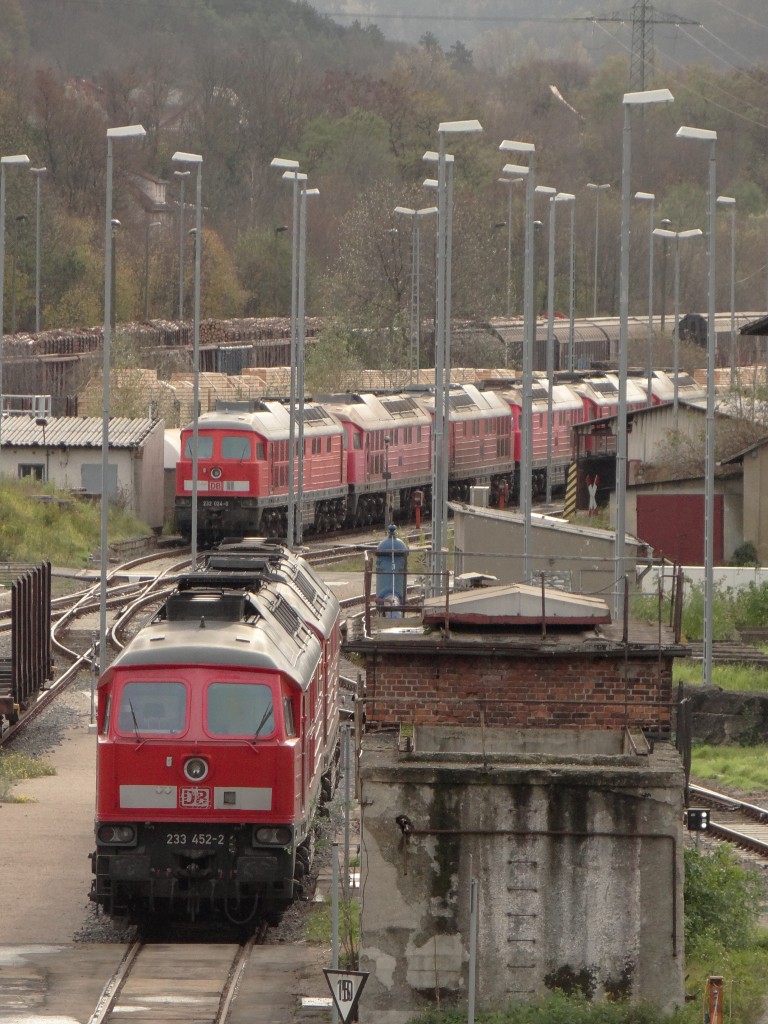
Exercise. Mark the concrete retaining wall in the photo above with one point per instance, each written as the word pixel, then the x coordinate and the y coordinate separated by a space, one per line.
pixel 579 867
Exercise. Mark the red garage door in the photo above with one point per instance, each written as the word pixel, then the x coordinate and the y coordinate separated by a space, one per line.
pixel 673 524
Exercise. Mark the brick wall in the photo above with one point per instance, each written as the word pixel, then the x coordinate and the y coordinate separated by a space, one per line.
pixel 571 691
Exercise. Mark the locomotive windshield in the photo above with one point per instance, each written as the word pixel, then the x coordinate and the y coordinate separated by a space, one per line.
pixel 204 446
pixel 235 446
pixel 150 708
pixel 240 709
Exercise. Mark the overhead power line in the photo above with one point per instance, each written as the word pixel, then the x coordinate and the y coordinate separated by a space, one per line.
pixel 644 16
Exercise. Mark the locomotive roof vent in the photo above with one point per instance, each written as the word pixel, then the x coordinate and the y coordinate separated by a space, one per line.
pixel 189 605
pixel 244 405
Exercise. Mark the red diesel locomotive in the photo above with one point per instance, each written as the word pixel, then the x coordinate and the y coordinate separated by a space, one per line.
pixel 218 739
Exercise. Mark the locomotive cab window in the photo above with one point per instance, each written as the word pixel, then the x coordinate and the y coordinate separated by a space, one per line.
pixel 204 447
pixel 240 709
pixel 150 708
pixel 235 447
pixel 288 718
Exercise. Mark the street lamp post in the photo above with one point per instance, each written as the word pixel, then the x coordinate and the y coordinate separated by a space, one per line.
pixel 279 230
pixel 18 160
pixel 114 224
pixel 569 197
pixel 676 235
pixel 291 173
pixel 649 197
pixel 300 350
pixel 415 310
pixel 706 135
pixel 124 132
pixel 630 100
pixel 182 176
pixel 509 182
pixel 597 189
pixel 38 173
pixel 150 224
pixel 729 203
pixel 387 477
pixel 443 343
pixel 195 160
pixel 20 218
pixel 529 315
pixel 551 193
pixel 665 223
pixel 41 421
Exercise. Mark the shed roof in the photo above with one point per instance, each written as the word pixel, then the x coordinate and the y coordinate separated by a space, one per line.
pixel 74 432
pixel 757 327
pixel 517 604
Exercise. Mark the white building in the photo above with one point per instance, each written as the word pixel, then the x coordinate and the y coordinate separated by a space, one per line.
pixel 66 451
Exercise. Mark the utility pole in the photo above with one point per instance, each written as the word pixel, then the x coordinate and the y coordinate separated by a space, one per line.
pixel 644 17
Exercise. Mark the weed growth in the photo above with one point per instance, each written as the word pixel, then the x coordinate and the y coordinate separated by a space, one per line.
pixel 40 523
pixel 15 767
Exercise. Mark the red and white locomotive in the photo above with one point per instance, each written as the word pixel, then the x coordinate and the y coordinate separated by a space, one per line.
pixel 218 739
pixel 362 450
pixel 357 449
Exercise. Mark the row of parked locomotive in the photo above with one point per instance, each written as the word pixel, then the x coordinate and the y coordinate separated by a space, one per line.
pixel 361 450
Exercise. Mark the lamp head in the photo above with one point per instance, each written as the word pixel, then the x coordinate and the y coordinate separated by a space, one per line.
pixel 725 201
pixel 511 146
pixel 127 131
pixel 281 162
pixel 647 196
pixel 458 127
pixel 700 134
pixel 598 188
pixel 648 96
pixel 20 159
pixel 38 171
pixel 565 197
pixel 187 158
pixel 511 169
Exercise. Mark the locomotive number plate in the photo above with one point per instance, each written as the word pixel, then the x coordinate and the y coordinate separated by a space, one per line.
pixel 194 839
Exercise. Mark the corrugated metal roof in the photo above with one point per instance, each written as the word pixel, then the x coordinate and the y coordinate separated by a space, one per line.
pixel 74 432
pixel 517 604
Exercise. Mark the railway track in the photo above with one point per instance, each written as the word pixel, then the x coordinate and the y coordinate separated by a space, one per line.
pixel 742 824
pixel 202 978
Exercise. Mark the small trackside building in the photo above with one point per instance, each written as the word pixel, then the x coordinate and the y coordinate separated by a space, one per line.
pixel 66 450
pixel 518 746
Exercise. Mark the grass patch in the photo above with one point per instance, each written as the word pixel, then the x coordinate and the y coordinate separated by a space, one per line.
pixel 15 768
pixel 742 768
pixel 320 930
pixel 736 678
pixel 39 523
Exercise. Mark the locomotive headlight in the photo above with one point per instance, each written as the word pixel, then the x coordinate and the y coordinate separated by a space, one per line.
pixel 216 473
pixel 273 835
pixel 117 835
pixel 195 769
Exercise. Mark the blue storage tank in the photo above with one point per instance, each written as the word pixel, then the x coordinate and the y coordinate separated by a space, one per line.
pixel 391 573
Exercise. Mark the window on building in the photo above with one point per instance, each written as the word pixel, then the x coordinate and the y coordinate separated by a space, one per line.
pixel 31 470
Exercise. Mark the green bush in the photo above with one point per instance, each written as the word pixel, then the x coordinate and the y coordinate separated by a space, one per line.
pixel 722 900
pixel 745 554
pixel 752 606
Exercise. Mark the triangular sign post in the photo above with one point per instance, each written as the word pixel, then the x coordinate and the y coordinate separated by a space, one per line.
pixel 346 988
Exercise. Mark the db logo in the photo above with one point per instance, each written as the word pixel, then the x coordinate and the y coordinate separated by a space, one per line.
pixel 195 798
